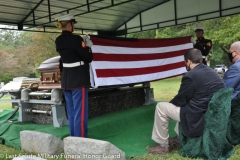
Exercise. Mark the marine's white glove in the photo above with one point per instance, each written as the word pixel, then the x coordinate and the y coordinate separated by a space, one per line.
pixel 87 40
pixel 193 40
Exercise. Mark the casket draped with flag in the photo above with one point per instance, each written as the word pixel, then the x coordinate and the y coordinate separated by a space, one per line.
pixel 121 61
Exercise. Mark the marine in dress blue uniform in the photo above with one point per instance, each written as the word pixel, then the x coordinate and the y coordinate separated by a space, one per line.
pixel 75 57
pixel 204 45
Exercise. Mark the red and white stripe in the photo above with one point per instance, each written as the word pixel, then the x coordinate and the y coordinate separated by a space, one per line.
pixel 123 62
pixel 82 120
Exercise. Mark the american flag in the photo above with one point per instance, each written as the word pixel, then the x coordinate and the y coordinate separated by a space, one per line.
pixel 120 61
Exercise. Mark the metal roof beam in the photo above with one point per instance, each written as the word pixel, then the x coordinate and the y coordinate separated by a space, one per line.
pixel 67 10
pixel 20 24
pixel 105 7
pixel 141 12
pixel 112 33
pixel 171 20
pixel 87 11
pixel 31 11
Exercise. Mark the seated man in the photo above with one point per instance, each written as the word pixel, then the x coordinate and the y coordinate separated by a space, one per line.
pixel 232 80
pixel 189 105
pixel 232 77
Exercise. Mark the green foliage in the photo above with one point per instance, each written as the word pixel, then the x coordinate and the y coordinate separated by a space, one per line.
pixel 5 77
pixel 225 30
pixel 22 52
pixel 143 34
pixel 222 31
pixel 42 47
pixel 5 47
pixel 33 75
pixel 175 31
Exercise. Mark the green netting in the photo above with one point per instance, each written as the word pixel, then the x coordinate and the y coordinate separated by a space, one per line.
pixel 6 113
pixel 233 133
pixel 130 130
pixel 213 144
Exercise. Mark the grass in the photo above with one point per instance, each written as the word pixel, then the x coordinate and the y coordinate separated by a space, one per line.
pixel 164 90
pixel 5 105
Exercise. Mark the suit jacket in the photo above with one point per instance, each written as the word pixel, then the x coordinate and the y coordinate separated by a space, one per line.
pixel 232 78
pixel 196 90
pixel 69 46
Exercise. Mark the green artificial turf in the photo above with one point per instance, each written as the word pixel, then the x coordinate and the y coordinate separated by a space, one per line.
pixel 129 130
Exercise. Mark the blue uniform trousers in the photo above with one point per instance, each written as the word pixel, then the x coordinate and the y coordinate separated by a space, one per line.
pixel 77 109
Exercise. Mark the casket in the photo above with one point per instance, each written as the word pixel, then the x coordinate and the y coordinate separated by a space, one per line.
pixel 50 74
pixel 103 100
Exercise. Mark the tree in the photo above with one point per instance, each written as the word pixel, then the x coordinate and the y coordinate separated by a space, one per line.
pixel 6 63
pixel 7 39
pixel 222 31
pixel 42 47
pixel 143 34
pixel 225 31
pixel 14 64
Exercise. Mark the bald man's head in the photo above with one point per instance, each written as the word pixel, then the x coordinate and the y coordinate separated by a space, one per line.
pixel 234 54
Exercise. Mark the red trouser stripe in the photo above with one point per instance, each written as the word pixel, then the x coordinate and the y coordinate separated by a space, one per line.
pixel 83 106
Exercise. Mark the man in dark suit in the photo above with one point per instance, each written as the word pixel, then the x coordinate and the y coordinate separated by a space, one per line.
pixel 189 105
pixel 204 45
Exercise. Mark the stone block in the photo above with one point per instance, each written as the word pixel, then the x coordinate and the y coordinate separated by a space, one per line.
pixel 77 148
pixel 40 143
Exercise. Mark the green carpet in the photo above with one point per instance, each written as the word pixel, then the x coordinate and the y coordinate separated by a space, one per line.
pixel 130 130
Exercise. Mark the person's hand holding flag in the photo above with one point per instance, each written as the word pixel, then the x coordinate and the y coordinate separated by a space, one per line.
pixel 87 40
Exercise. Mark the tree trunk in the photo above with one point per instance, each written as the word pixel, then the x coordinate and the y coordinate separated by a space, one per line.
pixel 225 49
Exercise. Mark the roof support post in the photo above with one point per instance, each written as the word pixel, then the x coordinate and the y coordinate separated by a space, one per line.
pixel 88 5
pixel 175 11
pixel 20 26
pixel 49 11
pixel 34 23
pixel 125 25
pixel 220 7
pixel 140 17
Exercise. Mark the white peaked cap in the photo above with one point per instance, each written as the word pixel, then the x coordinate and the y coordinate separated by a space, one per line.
pixel 198 27
pixel 66 17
